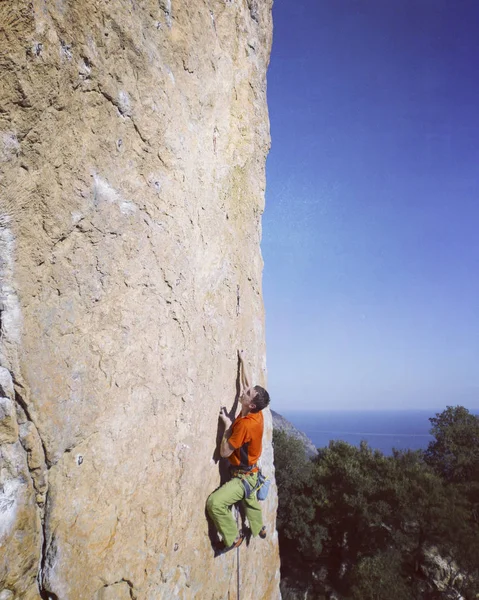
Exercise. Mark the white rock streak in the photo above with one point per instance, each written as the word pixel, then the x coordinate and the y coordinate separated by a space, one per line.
pixel 9 305
pixel 9 146
pixel 167 11
pixel 9 494
pixel 105 192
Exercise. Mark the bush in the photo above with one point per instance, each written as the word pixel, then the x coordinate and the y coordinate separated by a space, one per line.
pixel 380 577
pixel 357 522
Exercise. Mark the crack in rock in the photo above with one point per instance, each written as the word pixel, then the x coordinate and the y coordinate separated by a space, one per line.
pixel 21 422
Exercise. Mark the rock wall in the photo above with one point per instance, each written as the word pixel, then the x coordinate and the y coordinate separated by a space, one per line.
pixel 282 424
pixel 133 138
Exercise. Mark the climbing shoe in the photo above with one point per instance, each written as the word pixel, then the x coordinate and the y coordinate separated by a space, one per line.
pixel 262 533
pixel 221 548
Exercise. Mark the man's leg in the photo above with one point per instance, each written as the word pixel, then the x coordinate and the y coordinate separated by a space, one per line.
pixel 252 508
pixel 218 505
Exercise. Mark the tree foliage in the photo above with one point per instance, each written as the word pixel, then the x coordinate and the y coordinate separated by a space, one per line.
pixel 359 523
pixel 454 454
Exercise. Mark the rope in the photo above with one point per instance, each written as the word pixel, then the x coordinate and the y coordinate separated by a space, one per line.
pixel 237 559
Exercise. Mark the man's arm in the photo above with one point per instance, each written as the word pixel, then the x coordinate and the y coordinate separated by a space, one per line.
pixel 226 449
pixel 244 375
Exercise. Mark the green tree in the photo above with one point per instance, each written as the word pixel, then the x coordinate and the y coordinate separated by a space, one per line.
pixel 380 577
pixel 454 453
pixel 298 531
pixel 359 523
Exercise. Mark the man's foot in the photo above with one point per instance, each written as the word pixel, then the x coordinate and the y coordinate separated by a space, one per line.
pixel 262 533
pixel 222 548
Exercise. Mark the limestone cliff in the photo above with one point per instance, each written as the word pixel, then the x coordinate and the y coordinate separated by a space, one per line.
pixel 133 138
pixel 282 424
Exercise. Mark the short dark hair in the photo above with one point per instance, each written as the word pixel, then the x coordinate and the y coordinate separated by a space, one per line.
pixel 261 400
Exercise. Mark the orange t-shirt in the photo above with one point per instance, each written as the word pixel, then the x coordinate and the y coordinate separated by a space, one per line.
pixel 247 440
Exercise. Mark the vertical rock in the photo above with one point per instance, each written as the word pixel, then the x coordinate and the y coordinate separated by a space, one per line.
pixel 20 526
pixel 133 139
pixel 8 422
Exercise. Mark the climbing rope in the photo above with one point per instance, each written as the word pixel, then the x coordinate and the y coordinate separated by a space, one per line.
pixel 238 572
pixel 237 559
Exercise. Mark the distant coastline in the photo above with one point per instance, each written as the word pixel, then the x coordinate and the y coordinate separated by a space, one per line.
pixel 382 430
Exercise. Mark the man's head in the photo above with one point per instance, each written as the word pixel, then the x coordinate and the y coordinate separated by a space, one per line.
pixel 255 399
pixel 260 400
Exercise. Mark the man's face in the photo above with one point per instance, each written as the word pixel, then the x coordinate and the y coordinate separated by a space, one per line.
pixel 247 398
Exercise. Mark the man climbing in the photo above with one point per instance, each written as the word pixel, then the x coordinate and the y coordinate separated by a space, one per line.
pixel 242 445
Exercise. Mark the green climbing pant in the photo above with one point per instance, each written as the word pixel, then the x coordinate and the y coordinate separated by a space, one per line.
pixel 219 508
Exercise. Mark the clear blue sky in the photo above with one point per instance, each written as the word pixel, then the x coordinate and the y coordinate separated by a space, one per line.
pixel 371 228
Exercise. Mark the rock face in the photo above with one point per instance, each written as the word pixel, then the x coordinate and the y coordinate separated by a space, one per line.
pixel 282 424
pixel 133 138
pixel 443 576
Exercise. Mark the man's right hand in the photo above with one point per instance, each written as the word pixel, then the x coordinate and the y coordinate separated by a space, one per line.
pixel 224 417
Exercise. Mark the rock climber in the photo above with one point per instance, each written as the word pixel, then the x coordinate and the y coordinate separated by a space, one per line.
pixel 242 445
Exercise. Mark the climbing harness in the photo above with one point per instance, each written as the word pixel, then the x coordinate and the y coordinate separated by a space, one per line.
pixel 262 483
pixel 244 470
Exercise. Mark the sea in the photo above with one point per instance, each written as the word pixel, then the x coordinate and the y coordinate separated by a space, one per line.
pixel 382 430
